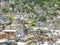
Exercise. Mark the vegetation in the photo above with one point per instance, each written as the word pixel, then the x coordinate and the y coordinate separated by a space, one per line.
pixel 12 6
pixel 5 10
pixel 33 25
pixel 42 18
pixel 49 6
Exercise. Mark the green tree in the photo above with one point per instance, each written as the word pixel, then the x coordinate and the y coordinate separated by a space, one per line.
pixel 5 10
pixel 33 25
pixel 12 5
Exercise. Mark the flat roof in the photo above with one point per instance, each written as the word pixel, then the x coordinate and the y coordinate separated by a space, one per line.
pixel 21 43
pixel 3 40
pixel 9 30
pixel 2 33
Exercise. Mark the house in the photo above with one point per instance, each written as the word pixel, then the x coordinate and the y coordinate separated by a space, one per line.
pixel 10 34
